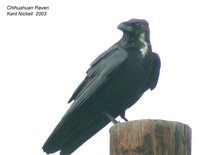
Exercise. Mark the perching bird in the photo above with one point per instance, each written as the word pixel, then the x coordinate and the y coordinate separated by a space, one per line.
pixel 115 81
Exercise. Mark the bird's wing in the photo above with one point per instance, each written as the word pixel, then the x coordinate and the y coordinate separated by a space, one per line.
pixel 91 71
pixel 101 70
pixel 155 71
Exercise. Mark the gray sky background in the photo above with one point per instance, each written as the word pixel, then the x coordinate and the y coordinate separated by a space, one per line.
pixel 43 59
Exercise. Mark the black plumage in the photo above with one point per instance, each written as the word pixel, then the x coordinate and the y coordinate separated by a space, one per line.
pixel 114 82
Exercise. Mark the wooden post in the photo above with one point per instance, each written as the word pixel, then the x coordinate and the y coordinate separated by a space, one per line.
pixel 150 137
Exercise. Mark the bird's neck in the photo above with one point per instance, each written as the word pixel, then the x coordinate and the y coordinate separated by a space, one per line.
pixel 140 43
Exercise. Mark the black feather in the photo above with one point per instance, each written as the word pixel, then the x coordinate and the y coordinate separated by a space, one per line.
pixel 114 82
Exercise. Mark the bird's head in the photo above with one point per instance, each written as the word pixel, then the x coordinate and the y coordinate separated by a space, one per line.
pixel 134 26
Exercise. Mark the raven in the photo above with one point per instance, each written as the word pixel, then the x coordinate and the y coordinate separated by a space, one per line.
pixel 115 81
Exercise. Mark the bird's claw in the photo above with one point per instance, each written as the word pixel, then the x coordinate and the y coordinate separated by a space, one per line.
pixel 111 118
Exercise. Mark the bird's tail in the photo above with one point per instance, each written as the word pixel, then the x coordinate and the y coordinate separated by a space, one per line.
pixel 73 131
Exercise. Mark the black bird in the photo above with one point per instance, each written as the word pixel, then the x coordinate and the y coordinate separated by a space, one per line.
pixel 115 81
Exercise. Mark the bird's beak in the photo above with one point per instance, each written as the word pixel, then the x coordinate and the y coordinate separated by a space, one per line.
pixel 124 27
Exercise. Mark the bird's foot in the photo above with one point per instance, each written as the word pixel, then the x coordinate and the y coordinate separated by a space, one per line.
pixel 124 118
pixel 122 115
pixel 110 117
